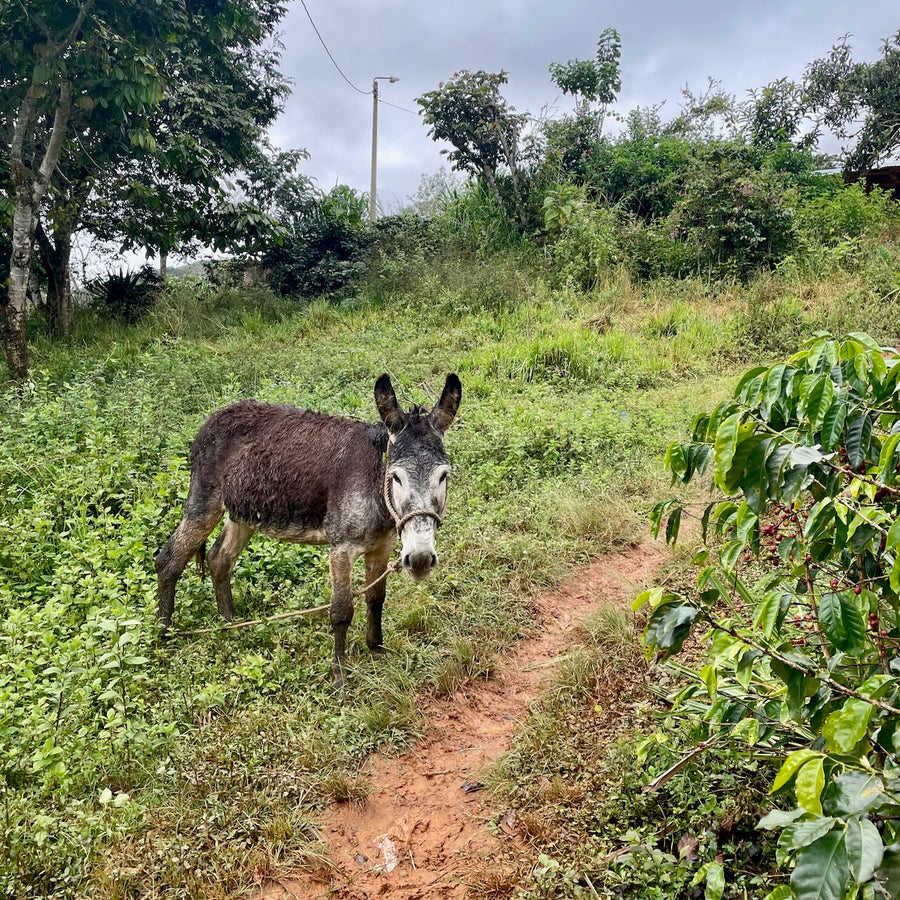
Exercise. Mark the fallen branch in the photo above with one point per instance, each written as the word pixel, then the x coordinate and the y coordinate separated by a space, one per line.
pixel 660 780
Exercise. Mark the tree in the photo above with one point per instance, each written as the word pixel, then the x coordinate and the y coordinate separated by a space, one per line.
pixel 844 93
pixel 208 131
pixel 469 112
pixel 84 85
pixel 773 116
pixel 55 57
pixel 596 80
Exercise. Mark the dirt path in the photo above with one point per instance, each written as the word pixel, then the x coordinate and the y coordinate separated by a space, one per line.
pixel 423 828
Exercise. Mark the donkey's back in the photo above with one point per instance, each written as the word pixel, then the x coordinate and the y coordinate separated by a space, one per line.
pixel 283 470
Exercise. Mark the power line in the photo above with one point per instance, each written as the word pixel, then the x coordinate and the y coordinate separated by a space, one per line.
pixel 403 108
pixel 333 60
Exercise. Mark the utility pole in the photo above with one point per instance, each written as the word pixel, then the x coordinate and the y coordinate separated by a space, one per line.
pixel 375 80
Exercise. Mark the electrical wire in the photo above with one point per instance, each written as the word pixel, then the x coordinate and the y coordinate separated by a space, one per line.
pixel 403 108
pixel 341 71
pixel 333 60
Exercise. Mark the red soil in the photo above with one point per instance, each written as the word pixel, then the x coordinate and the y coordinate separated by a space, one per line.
pixel 421 833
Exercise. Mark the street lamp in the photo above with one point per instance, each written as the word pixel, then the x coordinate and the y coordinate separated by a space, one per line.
pixel 375 80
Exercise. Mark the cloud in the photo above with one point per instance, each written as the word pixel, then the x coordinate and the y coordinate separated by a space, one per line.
pixel 664 47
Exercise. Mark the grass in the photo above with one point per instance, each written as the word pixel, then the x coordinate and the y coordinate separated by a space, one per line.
pixel 136 768
pixel 577 781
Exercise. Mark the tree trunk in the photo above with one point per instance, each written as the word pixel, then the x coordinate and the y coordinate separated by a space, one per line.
pixel 56 254
pixel 488 174
pixel 163 265
pixel 30 188
pixel 13 312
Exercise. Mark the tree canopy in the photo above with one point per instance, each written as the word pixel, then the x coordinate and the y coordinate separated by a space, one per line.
pixel 859 101
pixel 469 112
pixel 144 105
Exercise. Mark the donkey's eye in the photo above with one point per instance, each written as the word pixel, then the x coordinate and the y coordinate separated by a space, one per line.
pixel 396 478
pixel 443 478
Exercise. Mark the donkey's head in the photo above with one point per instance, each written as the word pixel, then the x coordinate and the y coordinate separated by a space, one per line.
pixel 417 470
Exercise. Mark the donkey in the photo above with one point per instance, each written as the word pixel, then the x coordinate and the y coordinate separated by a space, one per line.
pixel 297 475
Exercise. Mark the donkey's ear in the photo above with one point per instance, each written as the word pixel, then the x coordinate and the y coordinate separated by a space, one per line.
pixel 445 409
pixel 388 408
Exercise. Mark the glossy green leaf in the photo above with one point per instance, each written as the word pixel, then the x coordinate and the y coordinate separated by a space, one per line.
pixel 729 553
pixel 725 445
pixel 802 834
pixel 791 765
pixel 819 401
pixel 888 874
pixel 833 422
pixel 779 818
pixel 715 882
pixel 675 460
pixel 887 460
pixel 653 596
pixel 864 848
pixel 859 439
pixel 854 792
pixel 821 869
pixel 673 525
pixel 765 616
pixel 892 539
pixel 809 783
pixel 772 389
pixel 669 626
pixel 841 621
pixel 782 892
pixel 847 726
pixel 819 517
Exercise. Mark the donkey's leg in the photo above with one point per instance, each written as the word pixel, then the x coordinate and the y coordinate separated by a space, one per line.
pixel 376 563
pixel 194 528
pixel 341 566
pixel 221 560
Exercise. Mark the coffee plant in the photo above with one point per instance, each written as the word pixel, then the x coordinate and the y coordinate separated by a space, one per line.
pixel 799 594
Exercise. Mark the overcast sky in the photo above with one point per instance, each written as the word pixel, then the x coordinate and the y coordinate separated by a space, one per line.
pixel 664 47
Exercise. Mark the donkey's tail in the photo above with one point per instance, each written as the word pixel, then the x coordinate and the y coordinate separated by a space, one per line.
pixel 200 559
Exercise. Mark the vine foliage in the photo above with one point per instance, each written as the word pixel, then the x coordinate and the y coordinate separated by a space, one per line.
pixel 799 592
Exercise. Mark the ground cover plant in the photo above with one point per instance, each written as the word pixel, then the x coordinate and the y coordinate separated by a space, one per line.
pixel 127 761
pixel 135 767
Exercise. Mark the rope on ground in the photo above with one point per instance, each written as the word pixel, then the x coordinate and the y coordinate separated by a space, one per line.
pixel 392 567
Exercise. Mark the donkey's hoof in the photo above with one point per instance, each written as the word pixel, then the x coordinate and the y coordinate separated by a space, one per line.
pixel 341 682
pixel 379 650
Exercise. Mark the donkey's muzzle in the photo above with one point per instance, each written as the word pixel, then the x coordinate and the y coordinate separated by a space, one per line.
pixel 419 564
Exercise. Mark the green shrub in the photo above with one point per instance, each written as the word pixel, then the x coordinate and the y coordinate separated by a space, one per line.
pixel 587 244
pixel 839 212
pixel 126 296
pixel 326 251
pixel 799 588
pixel 739 216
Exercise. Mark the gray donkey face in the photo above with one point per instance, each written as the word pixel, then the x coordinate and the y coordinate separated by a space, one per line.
pixel 418 471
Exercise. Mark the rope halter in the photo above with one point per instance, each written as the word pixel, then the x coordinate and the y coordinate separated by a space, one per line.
pixel 400 521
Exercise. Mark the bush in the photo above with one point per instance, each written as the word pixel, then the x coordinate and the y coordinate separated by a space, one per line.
pixel 326 252
pixel 739 216
pixel 839 212
pixel 800 589
pixel 126 296
pixel 587 245
pixel 399 245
